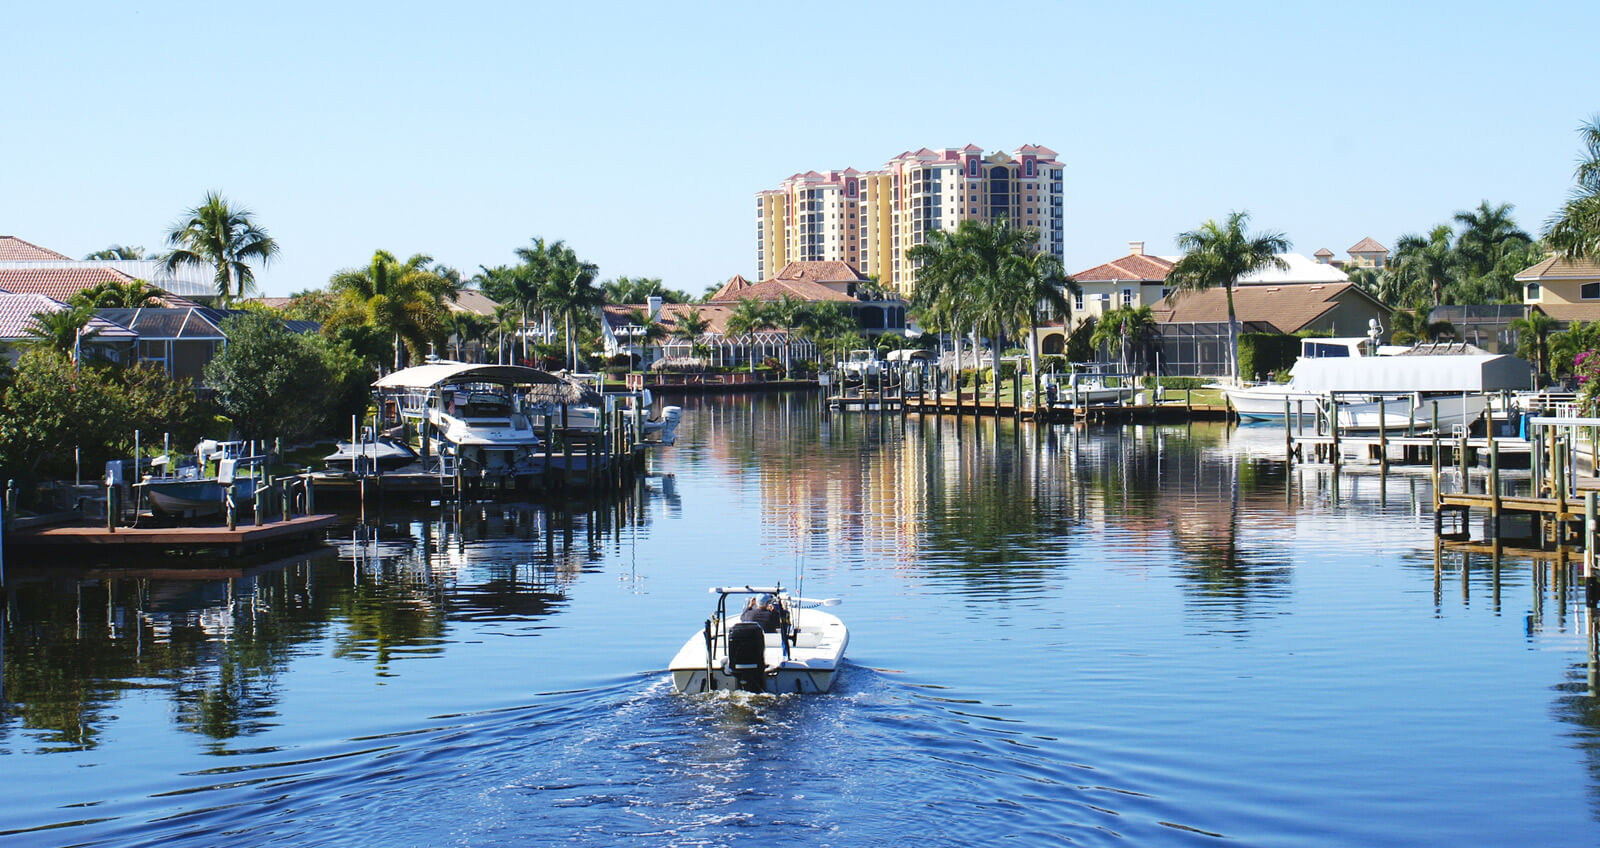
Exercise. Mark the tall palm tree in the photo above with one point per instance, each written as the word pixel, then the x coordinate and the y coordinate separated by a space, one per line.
pixel 1575 230
pixel 943 298
pixel 1041 283
pixel 117 251
pixel 1426 264
pixel 1218 255
pixel 62 330
pixel 1533 334
pixel 402 299
pixel 111 294
pixel 572 296
pixel 1487 232
pixel 690 326
pixel 223 237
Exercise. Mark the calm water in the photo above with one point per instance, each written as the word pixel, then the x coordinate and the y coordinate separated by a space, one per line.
pixel 1117 637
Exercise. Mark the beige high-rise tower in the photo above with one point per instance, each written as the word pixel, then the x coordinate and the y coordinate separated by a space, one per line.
pixel 870 219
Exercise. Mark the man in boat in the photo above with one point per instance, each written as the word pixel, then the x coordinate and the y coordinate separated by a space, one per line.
pixel 765 612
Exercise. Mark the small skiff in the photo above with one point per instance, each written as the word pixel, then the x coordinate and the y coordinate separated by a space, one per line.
pixel 798 648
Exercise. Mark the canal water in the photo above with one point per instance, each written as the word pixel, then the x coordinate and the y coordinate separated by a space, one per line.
pixel 1127 636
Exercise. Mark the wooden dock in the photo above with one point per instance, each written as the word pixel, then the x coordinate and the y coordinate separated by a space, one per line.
pixel 78 538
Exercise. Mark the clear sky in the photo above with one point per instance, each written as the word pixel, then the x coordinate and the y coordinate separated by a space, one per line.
pixel 639 133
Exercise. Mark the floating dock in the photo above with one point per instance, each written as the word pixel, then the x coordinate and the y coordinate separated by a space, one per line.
pixel 55 541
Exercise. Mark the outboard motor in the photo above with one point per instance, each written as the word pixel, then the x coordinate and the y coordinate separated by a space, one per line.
pixel 747 656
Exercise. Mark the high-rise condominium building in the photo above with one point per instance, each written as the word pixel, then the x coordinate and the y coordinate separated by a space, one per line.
pixel 870 219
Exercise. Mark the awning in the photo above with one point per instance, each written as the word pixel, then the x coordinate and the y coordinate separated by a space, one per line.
pixel 439 373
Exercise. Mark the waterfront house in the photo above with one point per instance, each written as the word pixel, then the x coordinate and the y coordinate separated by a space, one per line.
pixel 1567 290
pixel 1134 280
pixel 181 341
pixel 1192 327
pixel 108 340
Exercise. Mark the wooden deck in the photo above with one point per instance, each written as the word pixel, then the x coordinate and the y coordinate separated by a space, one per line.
pixel 155 539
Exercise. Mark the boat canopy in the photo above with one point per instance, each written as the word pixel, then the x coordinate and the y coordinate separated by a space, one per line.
pixel 439 373
pixel 1485 372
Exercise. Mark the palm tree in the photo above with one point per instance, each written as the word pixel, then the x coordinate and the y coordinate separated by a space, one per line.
pixel 942 298
pixel 62 330
pixel 1426 264
pixel 1218 255
pixel 1410 326
pixel 218 235
pixel 689 327
pixel 1041 282
pixel 748 318
pixel 401 299
pixel 1575 230
pixel 1533 334
pixel 111 294
pixel 1566 345
pixel 1487 233
pixel 787 313
pixel 117 251
pixel 571 295
pixel 1123 327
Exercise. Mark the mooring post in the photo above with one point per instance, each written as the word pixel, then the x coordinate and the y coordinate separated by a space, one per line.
pixel 1288 435
pixel 1494 487
pixel 1438 517
pixel 311 503
pixel 1591 592
pixel 1333 424
pixel 1383 437
pixel 1461 460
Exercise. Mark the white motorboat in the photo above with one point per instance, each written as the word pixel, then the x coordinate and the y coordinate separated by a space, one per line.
pixel 484 430
pixel 800 651
pixel 184 491
pixel 1408 383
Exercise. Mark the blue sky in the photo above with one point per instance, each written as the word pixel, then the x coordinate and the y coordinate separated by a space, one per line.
pixel 639 133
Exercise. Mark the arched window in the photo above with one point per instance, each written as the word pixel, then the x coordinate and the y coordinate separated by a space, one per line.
pixel 1533 292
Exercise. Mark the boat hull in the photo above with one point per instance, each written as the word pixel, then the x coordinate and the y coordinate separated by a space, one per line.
pixel 811 666
pixel 194 497
pixel 1267 403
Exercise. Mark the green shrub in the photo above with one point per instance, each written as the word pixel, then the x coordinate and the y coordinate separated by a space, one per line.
pixel 1263 353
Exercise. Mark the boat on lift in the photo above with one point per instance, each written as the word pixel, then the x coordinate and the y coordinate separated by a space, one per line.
pixel 798 649
pixel 371 454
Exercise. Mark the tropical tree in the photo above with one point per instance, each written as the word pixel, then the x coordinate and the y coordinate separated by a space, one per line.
pixel 1574 231
pixel 221 236
pixel 273 382
pixel 749 317
pixel 1041 284
pixel 943 299
pixel 1487 233
pixel 1424 266
pixel 787 313
pixel 311 305
pixel 61 330
pixel 690 326
pixel 117 251
pixel 401 299
pixel 111 294
pixel 1409 326
pixel 1218 255
pixel 1565 346
pixel 465 328
pixel 1533 336
pixel 639 290
pixel 1124 328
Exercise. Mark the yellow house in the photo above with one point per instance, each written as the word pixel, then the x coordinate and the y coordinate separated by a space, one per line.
pixel 1565 289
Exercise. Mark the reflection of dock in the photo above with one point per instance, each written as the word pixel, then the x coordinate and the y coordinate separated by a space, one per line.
pixel 83 539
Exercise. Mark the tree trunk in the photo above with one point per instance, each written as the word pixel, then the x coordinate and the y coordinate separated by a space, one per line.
pixel 1233 336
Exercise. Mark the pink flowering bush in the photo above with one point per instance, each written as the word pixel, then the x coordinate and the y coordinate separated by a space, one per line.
pixel 1586 367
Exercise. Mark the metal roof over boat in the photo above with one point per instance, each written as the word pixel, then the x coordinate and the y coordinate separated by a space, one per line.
pixel 439 373
pixel 1418 371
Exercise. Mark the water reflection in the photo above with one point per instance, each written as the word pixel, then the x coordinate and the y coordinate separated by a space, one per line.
pixel 215 639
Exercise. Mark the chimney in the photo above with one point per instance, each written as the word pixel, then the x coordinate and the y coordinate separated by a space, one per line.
pixel 1136 248
pixel 654 302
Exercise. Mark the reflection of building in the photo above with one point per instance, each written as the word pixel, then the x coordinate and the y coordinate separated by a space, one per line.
pixel 870 219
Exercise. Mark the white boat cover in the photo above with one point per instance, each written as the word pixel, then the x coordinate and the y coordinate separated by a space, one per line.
pixel 1486 372
pixel 437 373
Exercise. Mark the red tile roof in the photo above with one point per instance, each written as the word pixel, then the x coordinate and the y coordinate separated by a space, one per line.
pixel 62 283
pixel 13 249
pixel 1141 267
pixel 620 315
pixel 730 289
pixel 1367 245
pixel 775 289
pixel 821 272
